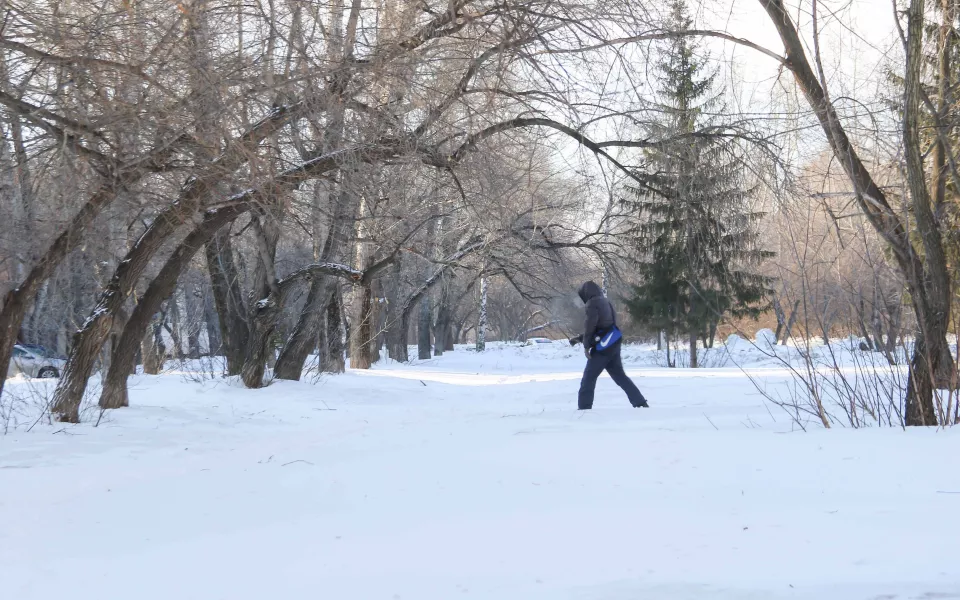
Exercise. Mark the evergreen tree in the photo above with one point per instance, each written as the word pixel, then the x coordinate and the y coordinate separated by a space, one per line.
pixel 697 247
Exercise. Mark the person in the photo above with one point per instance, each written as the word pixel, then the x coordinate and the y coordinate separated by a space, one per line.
pixel 601 320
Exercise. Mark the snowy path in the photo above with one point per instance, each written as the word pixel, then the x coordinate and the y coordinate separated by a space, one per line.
pixel 463 479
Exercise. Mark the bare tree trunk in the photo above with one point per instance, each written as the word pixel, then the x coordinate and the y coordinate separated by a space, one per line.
pixel 264 321
pixel 332 347
pixel 670 363
pixel 399 335
pixel 927 278
pixel 441 332
pixel 194 312
pixel 934 362
pixel 176 326
pixel 693 334
pixel 228 298
pixel 302 340
pixel 152 350
pixel 362 332
pixel 18 300
pixel 424 326
pixel 268 303
pixel 482 320
pixel 376 319
pixel 791 322
pixel 781 317
pixel 114 393
pixel 693 351
pixel 396 331
pixel 212 323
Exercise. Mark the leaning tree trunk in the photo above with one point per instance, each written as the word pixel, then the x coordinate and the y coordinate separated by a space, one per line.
pixel 17 301
pixel 114 394
pixel 89 339
pixel 303 339
pixel 927 277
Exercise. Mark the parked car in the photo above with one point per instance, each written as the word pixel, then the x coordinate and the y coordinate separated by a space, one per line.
pixel 34 361
pixel 44 352
pixel 539 340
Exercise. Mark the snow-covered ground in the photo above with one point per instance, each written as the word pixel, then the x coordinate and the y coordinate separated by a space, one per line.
pixel 473 476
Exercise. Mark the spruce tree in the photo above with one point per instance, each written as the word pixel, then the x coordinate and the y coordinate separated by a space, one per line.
pixel 697 248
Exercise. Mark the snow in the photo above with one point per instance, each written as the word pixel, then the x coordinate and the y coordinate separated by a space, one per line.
pixel 472 475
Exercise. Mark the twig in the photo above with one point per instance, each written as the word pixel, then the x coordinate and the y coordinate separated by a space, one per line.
pixel 711 422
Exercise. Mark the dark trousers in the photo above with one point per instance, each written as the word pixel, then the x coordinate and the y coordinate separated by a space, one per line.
pixel 609 361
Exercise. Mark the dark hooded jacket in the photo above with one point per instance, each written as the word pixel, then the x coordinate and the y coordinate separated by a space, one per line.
pixel 600 315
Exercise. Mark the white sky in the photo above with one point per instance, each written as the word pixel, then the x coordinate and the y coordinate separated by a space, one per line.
pixel 858 40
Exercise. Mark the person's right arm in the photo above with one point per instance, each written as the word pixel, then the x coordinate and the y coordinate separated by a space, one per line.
pixel 590 323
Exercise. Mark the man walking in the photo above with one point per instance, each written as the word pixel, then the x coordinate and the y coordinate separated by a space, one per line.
pixel 601 344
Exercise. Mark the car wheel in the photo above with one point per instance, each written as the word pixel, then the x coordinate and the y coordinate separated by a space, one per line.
pixel 48 373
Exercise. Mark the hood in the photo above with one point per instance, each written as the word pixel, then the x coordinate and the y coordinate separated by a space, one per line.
pixel 589 290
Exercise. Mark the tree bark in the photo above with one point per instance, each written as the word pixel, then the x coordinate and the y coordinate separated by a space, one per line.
pixel 153 351
pixel 90 337
pixel 332 346
pixel 194 313
pixel 294 354
pixel 788 333
pixel 482 320
pixel 17 301
pixel 264 321
pixel 441 332
pixel 425 324
pixel 694 363
pixel 931 340
pixel 399 336
pixel 176 326
pixel 114 393
pixel 926 288
pixel 228 298
pixel 212 323
pixel 362 337
pixel 303 339
pixel 268 302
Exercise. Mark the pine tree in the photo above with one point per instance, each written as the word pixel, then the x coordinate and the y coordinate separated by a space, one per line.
pixel 697 247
